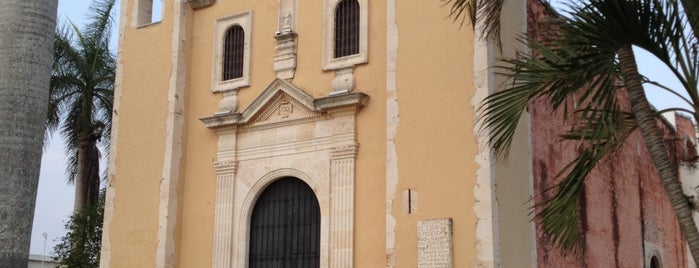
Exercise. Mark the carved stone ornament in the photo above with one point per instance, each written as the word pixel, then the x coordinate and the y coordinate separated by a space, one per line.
pixel 344 81
pixel 264 110
pixel 286 23
pixel 285 132
pixel 345 151
pixel 285 55
pixel 226 166
pixel 229 103
pixel 285 109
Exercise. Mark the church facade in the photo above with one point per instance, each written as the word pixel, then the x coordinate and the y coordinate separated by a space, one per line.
pixel 333 133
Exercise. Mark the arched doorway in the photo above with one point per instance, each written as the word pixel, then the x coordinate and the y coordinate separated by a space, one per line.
pixel 654 262
pixel 285 227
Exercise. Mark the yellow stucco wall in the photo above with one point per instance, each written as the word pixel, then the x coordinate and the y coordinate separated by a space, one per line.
pixel 142 112
pixel 434 145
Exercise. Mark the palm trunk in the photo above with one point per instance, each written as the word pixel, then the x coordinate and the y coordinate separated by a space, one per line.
pixel 93 176
pixel 82 174
pixel 646 120
pixel 26 49
pixel 87 179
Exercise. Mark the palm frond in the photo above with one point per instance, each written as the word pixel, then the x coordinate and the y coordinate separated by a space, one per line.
pixel 483 15
pixel 82 84
pixel 462 9
pixel 691 9
pixel 578 64
pixel 101 21
pixel 560 216
pixel 601 134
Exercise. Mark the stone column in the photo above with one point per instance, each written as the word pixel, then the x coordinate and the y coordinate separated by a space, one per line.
pixel 223 225
pixel 342 205
pixel 226 168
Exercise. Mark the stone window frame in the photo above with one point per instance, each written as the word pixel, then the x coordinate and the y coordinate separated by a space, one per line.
pixel 234 41
pixel 329 60
pixel 222 24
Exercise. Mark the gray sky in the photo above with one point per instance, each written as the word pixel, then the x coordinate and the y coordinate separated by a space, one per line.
pixel 55 198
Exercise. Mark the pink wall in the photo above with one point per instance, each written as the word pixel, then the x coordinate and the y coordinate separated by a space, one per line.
pixel 623 203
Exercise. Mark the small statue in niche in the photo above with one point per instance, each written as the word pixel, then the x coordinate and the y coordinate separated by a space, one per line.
pixel 286 23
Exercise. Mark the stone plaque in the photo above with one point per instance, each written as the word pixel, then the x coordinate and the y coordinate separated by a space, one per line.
pixel 434 243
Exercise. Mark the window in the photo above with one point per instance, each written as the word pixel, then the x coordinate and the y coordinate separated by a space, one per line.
pixel 148 12
pixel 233 53
pixel 345 33
pixel 285 226
pixel 346 28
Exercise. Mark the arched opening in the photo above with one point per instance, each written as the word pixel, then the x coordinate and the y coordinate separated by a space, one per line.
pixel 285 227
pixel 655 262
pixel 233 53
pixel 346 28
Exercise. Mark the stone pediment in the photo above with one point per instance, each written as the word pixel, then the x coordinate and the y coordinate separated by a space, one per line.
pixel 281 101
pixel 282 107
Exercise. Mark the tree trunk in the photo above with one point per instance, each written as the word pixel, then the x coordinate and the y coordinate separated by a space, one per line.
pixel 26 51
pixel 81 175
pixel 93 176
pixel 646 120
pixel 87 179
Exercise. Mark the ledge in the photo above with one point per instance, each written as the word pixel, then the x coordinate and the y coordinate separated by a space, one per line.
pixel 197 4
pixel 359 99
pixel 221 120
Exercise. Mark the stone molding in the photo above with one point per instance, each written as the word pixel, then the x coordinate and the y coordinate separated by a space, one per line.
pixel 286 133
pixel 226 167
pixel 344 151
pixel 278 86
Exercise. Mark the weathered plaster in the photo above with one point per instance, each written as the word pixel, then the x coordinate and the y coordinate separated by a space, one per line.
pixel 392 121
pixel 485 206
pixel 105 251
pixel 168 208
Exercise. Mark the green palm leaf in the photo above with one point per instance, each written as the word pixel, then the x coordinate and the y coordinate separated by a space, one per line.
pixel 576 71
pixel 81 93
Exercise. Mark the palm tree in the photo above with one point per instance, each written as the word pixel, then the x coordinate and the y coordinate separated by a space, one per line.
pixel 487 13
pixel 81 96
pixel 587 53
pixel 26 30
